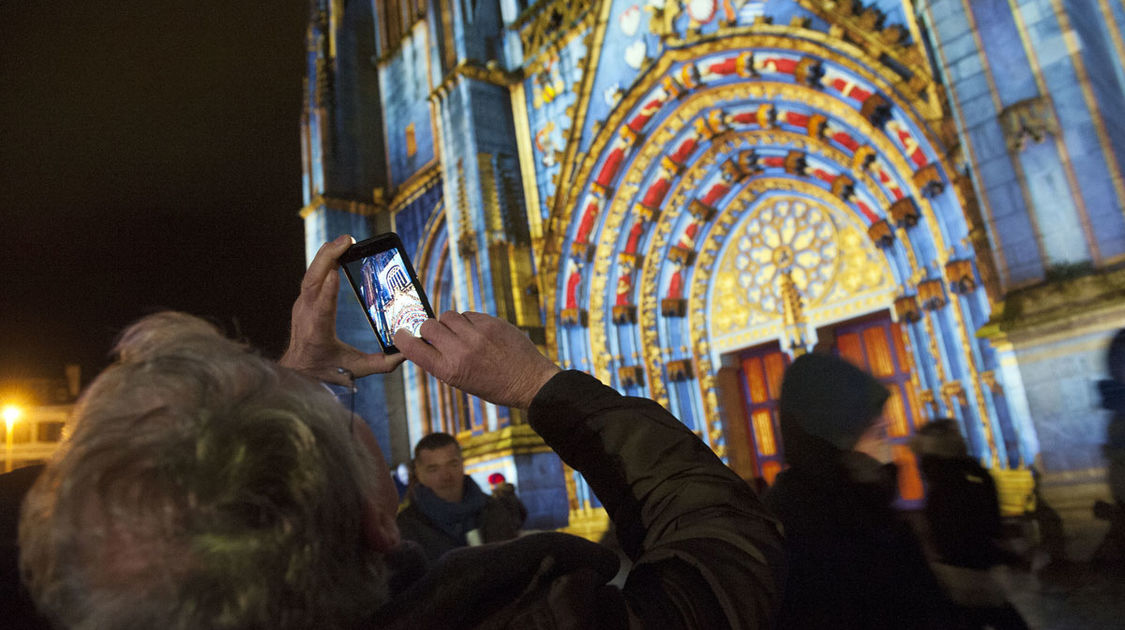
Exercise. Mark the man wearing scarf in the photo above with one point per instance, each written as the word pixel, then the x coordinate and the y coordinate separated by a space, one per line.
pixel 445 508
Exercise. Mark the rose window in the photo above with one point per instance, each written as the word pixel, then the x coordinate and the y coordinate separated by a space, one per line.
pixel 791 235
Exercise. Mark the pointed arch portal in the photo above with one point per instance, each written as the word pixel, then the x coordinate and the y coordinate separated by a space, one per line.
pixel 752 195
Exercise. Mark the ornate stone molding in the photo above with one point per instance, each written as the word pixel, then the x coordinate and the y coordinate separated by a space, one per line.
pixel 1059 301
pixel 418 183
pixel 1030 119
pixel 546 21
pixel 516 439
pixel 353 206
pixel 486 73
pixel 953 391
pixel 865 27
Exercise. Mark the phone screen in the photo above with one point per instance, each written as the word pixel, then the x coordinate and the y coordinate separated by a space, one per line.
pixel 387 288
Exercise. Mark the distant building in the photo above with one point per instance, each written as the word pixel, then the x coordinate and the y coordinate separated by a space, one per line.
pixel 44 407
pixel 678 197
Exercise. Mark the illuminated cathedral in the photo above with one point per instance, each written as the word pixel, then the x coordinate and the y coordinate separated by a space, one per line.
pixel 680 197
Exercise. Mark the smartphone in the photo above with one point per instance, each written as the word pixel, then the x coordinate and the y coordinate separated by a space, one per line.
pixel 387 288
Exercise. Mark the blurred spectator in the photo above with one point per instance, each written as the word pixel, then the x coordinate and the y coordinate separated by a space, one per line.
pixel 1111 551
pixel 445 508
pixel 853 563
pixel 505 492
pixel 963 513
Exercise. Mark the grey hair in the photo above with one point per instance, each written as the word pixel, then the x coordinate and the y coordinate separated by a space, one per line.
pixel 202 486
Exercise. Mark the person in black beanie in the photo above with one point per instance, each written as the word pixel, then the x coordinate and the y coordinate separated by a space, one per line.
pixel 853 563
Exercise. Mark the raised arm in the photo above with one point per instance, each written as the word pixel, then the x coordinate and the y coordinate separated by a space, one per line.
pixel 706 553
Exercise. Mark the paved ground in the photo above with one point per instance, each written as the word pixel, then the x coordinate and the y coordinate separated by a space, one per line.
pixel 1073 597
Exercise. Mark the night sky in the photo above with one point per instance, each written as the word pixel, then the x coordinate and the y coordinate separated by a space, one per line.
pixel 149 159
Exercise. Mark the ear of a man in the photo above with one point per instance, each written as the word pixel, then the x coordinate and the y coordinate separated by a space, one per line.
pixel 380 510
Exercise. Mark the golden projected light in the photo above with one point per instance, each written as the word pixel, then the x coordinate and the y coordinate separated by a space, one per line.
pixel 12 415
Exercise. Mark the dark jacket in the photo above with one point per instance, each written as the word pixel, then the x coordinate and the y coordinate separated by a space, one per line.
pixel 706 554
pixel 853 563
pixel 492 520
pixel 963 512
pixel 16 608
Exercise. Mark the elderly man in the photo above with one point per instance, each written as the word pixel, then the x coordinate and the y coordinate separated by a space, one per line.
pixel 206 487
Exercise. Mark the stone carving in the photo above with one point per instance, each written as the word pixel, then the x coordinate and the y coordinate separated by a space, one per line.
pixel 1032 118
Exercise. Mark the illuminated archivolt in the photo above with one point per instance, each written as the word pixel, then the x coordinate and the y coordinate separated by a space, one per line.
pixel 631 190
pixel 645 129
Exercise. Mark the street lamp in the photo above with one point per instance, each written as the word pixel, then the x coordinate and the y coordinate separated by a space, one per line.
pixel 11 415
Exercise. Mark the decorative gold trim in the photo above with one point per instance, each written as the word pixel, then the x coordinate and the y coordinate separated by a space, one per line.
pixel 542 24
pixel 596 40
pixel 777 37
pixel 514 439
pixel 588 522
pixel 485 73
pixel 353 206
pixel 421 181
pixel 954 391
pixel 521 118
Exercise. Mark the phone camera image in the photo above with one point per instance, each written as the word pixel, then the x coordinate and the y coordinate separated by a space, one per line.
pixel 389 296
pixel 387 287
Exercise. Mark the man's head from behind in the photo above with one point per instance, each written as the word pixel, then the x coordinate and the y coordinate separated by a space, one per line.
pixel 203 486
pixel 438 466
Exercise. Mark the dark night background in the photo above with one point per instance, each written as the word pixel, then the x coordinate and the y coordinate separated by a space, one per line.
pixel 149 158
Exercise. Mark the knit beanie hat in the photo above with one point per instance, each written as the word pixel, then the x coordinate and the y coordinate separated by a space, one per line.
pixel 831 399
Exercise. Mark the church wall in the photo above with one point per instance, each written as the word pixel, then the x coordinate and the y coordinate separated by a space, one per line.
pixel 1102 61
pixel 359 163
pixel 1058 365
pixel 1020 129
pixel 409 126
pixel 974 98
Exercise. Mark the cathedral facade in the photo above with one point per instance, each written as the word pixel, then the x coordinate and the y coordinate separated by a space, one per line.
pixel 680 197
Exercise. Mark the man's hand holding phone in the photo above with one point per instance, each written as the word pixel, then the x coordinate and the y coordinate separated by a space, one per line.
pixel 480 355
pixel 314 348
pixel 474 352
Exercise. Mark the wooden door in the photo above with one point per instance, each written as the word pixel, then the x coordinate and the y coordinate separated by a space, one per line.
pixel 761 370
pixel 876 346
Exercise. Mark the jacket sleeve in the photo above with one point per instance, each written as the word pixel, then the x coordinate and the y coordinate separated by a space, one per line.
pixel 705 550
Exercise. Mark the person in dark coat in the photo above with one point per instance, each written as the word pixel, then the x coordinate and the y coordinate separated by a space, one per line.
pixel 504 491
pixel 445 509
pixel 963 514
pixel 1110 553
pixel 16 608
pixel 204 486
pixel 853 562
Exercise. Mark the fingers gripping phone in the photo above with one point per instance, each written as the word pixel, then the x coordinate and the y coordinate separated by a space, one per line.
pixel 387 288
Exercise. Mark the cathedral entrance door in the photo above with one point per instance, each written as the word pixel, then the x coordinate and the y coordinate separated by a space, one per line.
pixel 875 344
